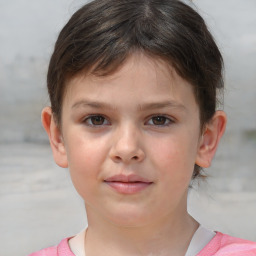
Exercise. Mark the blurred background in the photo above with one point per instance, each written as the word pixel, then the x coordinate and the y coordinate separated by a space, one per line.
pixel 38 205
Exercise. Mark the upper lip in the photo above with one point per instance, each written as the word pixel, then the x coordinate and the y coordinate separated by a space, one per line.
pixel 127 178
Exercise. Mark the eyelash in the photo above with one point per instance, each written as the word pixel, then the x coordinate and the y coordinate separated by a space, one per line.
pixel 88 121
pixel 165 118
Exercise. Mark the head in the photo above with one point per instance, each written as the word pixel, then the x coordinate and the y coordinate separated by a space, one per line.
pixel 102 35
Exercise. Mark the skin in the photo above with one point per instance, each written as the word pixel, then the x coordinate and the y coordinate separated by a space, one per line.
pixel 145 122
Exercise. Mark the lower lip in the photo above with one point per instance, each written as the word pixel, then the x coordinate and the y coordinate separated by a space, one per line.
pixel 128 187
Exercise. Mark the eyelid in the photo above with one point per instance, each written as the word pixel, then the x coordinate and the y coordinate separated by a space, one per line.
pixel 88 117
pixel 170 120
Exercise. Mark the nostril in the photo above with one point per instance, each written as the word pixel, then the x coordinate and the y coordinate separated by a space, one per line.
pixel 118 158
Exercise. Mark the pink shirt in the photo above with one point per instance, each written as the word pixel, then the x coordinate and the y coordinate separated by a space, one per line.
pixel 220 245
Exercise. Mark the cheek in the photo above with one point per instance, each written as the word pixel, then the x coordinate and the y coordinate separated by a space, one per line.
pixel 85 158
pixel 84 151
pixel 175 156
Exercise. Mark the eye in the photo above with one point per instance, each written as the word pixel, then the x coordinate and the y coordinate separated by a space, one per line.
pixel 96 120
pixel 160 121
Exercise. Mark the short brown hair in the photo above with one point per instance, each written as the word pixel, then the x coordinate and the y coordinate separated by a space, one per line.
pixel 103 33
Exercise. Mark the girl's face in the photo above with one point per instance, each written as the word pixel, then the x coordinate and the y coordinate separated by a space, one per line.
pixel 131 140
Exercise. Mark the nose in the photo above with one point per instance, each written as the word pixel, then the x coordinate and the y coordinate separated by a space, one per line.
pixel 127 145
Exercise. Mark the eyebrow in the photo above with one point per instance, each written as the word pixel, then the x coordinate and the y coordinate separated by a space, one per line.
pixel 160 105
pixel 92 104
pixel 141 107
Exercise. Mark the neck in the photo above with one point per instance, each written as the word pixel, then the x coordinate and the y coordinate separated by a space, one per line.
pixel 170 236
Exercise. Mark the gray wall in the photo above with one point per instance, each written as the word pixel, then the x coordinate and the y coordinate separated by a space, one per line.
pixel 28 30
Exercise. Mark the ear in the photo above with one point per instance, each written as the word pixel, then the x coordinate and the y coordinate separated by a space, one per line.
pixel 210 139
pixel 55 137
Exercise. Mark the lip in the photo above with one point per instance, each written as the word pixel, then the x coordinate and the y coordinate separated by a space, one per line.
pixel 128 184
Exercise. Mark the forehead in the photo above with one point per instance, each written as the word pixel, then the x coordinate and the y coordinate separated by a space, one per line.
pixel 140 78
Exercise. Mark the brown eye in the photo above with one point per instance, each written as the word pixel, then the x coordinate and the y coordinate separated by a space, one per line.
pixel 96 121
pixel 160 121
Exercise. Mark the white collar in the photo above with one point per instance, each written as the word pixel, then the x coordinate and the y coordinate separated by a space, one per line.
pixel 76 244
pixel 200 239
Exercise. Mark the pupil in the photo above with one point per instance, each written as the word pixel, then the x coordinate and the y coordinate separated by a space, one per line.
pixel 97 120
pixel 159 120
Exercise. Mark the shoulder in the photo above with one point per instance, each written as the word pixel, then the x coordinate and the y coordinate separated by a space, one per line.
pixel 223 244
pixel 62 249
pixel 51 251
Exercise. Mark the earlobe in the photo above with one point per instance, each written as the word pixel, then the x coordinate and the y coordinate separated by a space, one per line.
pixel 55 137
pixel 210 139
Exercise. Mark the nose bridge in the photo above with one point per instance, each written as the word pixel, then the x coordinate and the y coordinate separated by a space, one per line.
pixel 127 143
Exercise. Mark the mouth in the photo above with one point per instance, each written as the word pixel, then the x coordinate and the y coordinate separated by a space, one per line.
pixel 128 184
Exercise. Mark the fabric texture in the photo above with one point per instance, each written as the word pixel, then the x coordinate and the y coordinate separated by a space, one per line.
pixel 225 245
pixel 220 245
pixel 200 239
pixel 61 250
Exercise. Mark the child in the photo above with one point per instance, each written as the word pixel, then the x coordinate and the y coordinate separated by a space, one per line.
pixel 133 87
